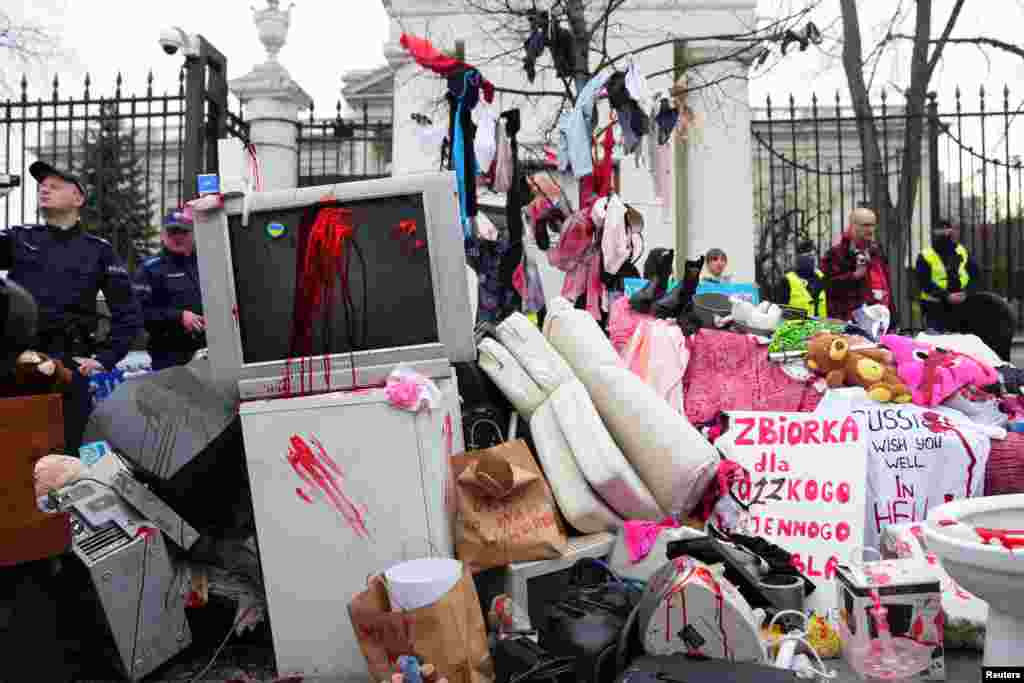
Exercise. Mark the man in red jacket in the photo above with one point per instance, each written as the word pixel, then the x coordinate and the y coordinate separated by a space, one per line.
pixel 856 271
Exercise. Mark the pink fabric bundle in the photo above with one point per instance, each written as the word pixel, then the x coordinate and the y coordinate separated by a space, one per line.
pixel 641 536
pixel 934 375
pixel 657 354
pixel 623 322
pixel 730 371
pixel 579 257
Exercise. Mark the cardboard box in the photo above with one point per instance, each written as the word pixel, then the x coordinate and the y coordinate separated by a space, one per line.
pixel 912 596
pixel 966 614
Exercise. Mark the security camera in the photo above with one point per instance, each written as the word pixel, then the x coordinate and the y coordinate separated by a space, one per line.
pixel 174 38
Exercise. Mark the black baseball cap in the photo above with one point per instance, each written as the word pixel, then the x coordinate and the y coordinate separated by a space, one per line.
pixel 40 170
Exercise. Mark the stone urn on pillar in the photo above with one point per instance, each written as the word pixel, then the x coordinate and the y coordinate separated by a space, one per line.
pixel 272 22
pixel 272 101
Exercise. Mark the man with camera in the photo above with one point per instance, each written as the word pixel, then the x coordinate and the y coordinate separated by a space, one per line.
pixel 167 287
pixel 856 270
pixel 64 268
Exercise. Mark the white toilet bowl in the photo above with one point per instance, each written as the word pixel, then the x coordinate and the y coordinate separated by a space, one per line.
pixel 990 571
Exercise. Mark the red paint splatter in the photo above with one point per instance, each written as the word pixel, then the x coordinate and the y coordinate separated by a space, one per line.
pixel 194 600
pixel 146 532
pixel 1008 538
pixel 948 522
pixel 449 479
pixel 940 424
pixel 318 470
pixel 234 313
pixel 303 495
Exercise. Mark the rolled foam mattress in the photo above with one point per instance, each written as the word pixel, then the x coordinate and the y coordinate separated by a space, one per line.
pixel 540 360
pixel 674 460
pixel 506 372
pixel 600 460
pixel 580 506
pixel 577 337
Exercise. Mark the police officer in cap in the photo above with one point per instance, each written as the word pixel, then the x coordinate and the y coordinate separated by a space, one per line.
pixel 167 287
pixel 64 268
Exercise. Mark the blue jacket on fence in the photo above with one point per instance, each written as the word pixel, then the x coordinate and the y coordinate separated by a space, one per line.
pixel 167 285
pixel 64 269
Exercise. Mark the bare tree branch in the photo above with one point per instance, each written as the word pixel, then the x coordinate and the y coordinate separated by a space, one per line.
pixel 978 41
pixel 937 54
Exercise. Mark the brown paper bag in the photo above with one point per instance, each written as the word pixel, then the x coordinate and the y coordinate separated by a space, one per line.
pixel 506 512
pixel 450 634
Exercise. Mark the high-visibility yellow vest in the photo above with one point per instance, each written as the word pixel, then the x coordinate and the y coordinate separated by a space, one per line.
pixel 939 275
pixel 800 296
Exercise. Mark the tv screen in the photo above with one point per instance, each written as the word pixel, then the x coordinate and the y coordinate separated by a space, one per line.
pixel 389 298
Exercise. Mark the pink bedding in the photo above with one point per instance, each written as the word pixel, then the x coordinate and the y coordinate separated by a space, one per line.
pixel 729 371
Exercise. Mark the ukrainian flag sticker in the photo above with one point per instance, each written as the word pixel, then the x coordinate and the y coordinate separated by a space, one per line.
pixel 276 230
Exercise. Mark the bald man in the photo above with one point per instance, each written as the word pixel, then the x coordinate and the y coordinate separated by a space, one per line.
pixel 856 271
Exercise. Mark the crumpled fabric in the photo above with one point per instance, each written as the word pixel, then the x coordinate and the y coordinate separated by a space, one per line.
pixel 623 322
pixel 579 257
pixel 408 390
pixel 640 536
pixel 503 163
pixel 605 170
pixel 636 83
pixel 616 245
pixel 486 141
pixel 658 355
pixel 729 371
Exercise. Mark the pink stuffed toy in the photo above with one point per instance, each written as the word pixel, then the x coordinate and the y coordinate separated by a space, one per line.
pixel 932 373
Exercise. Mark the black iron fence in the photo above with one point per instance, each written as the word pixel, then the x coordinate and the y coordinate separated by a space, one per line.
pixel 809 172
pixel 336 150
pixel 128 148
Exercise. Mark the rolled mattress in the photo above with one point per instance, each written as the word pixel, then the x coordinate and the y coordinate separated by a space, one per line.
pixel 577 337
pixel 674 460
pixel 600 460
pixel 540 360
pixel 580 506
pixel 510 377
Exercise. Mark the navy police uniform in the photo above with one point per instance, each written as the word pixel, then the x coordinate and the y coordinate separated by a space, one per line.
pixel 64 270
pixel 166 286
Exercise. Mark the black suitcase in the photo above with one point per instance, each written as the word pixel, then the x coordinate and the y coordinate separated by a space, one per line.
pixel 520 660
pixel 587 623
pixel 683 669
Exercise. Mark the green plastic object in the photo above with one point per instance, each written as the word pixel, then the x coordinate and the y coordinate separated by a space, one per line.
pixel 792 335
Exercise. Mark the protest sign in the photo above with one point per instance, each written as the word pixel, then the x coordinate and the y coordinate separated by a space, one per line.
pixel 807 488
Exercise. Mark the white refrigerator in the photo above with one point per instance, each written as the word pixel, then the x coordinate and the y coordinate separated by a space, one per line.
pixel 344 485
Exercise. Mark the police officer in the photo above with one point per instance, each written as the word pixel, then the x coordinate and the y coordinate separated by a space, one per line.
pixel 64 268
pixel 945 275
pixel 167 287
pixel 804 286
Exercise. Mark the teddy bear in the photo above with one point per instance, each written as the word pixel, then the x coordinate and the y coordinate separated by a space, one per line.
pixel 934 374
pixel 830 355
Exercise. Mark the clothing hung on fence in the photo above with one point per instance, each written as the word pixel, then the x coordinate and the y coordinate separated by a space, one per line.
pixel 574 141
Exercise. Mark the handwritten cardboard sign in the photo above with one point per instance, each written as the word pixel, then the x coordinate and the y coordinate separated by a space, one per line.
pixel 807 488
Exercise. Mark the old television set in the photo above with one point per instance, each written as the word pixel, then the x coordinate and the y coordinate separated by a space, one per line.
pixel 407 300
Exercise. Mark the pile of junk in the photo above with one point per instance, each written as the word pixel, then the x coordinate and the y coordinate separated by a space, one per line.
pixel 597 530
pixel 107 556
